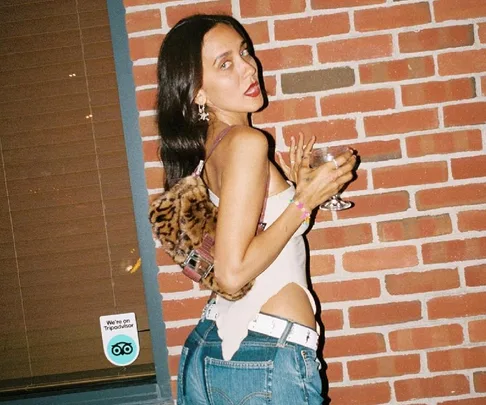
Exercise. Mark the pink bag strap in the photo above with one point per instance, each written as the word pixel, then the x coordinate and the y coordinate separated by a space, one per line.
pixel 199 169
pixel 218 139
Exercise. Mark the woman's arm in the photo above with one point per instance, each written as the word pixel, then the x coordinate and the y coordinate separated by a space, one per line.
pixel 240 256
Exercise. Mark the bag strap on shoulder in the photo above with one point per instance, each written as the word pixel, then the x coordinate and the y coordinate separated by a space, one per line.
pixel 218 139
pixel 200 167
pixel 198 170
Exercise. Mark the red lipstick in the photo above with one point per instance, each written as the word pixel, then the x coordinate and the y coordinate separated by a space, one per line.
pixel 253 90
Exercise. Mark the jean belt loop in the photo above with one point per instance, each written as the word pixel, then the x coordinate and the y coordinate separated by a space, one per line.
pixel 282 339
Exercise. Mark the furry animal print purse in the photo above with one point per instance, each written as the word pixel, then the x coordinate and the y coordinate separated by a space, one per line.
pixel 183 219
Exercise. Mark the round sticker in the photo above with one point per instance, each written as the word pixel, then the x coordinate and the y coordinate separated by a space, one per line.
pixel 122 350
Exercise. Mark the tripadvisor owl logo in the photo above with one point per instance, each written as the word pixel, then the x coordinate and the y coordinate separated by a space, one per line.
pixel 120 338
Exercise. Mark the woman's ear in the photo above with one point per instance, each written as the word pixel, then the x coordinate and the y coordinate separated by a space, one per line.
pixel 200 98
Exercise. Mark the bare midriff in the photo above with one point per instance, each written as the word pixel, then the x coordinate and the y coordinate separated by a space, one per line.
pixel 291 303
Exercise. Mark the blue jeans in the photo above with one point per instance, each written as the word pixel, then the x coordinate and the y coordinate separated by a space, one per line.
pixel 264 371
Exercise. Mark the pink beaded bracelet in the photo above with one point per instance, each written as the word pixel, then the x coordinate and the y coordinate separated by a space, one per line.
pixel 305 214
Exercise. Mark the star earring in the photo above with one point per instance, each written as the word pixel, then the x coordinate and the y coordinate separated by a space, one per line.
pixel 203 115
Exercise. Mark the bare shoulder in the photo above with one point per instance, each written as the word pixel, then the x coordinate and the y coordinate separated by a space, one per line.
pixel 245 138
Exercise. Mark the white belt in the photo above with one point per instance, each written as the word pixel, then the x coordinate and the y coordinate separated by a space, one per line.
pixel 274 327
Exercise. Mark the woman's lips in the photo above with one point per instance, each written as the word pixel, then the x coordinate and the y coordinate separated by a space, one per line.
pixel 253 90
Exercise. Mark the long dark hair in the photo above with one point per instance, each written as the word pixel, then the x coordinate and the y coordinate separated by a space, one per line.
pixel 180 73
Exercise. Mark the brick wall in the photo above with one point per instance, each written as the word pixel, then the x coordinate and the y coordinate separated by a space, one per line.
pixel 402 276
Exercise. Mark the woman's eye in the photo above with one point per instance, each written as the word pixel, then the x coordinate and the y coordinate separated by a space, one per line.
pixel 225 65
pixel 245 52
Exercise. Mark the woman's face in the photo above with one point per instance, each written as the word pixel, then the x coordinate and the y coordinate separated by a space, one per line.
pixel 230 77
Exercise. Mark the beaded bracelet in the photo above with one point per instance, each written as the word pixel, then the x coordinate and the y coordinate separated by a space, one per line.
pixel 305 214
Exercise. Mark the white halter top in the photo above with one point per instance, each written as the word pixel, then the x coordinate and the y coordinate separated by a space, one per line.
pixel 288 267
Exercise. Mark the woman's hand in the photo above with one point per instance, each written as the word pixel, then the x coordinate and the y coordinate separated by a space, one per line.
pixel 298 155
pixel 315 185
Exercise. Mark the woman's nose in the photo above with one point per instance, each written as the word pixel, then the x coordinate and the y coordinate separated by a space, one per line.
pixel 249 67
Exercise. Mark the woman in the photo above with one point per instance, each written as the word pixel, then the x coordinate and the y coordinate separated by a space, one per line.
pixel 262 348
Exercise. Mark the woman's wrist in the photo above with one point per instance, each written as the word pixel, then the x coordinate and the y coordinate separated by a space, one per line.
pixel 304 212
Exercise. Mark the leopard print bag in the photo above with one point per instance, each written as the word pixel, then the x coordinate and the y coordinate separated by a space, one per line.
pixel 183 219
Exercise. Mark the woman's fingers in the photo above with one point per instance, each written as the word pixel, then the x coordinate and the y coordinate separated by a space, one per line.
pixel 283 164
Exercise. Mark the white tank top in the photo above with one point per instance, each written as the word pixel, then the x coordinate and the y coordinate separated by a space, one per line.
pixel 288 267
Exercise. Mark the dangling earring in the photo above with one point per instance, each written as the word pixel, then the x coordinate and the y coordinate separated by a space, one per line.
pixel 203 115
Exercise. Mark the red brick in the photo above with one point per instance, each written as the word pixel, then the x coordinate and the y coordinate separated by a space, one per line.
pixel 340 236
pixel 321 4
pixel 459 9
pixel 354 345
pixel 477 330
pixel 436 38
pixel 174 282
pixel 145 47
pixel 422 281
pixel 130 3
pixel 145 74
pixel 469 167
pixel 258 32
pixel 402 122
pixel 384 314
pixel 470 401
pixel 177 336
pixel 382 367
pixel 451 196
pixel 455 63
pixel 154 177
pixel 270 85
pixel 175 310
pixel 454 250
pixel 438 92
pixel 414 228
pixel 382 18
pixel 351 290
pixel 483 85
pixel 251 8
pixel 352 49
pixel 151 151
pixel 332 319
pixel 174 364
pixel 426 338
pixel 457 359
pixel 475 275
pixel 360 101
pixel 176 13
pixel 312 27
pixel 482 32
pixel 323 216
pixel 162 258
pixel 287 110
pixel 376 151
pixel 324 131
pixel 380 259
pixel 465 114
pixel 480 381
pixel 146 99
pixel 367 394
pixel 444 143
pixel 143 20
pixel 334 372
pixel 410 174
pixel 458 306
pixel 440 386
pixel 396 70
pixel 148 126
pixel 321 265
pixel 359 183
pixel 371 205
pixel 173 383
pixel 285 58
